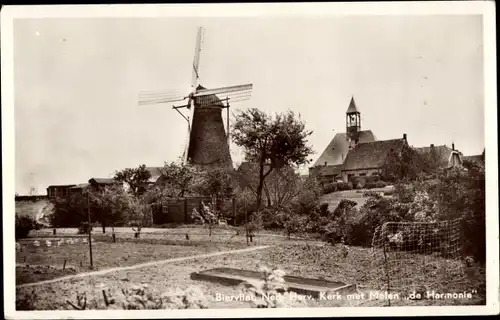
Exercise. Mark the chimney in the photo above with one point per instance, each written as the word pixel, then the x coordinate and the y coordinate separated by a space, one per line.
pixel 325 163
pixel 432 145
pixel 404 137
pixel 453 146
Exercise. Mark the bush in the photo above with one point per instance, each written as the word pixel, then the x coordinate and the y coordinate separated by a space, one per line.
pixel 83 228
pixel 24 224
pixel 329 188
pixel 380 184
pixel 370 185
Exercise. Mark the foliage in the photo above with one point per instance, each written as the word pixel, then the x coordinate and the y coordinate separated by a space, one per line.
pixel 135 178
pixel 294 223
pixel 271 142
pixel 455 193
pixel 245 204
pixel 26 301
pixel 333 226
pixel 460 193
pixel 143 297
pixel 69 211
pixel 113 206
pixel 403 166
pixel 255 224
pixel 206 216
pixel 308 198
pixel 24 224
pixel 216 181
pixel 180 180
pixel 268 291
pixel 84 228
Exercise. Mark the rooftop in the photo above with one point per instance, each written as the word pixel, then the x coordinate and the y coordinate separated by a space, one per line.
pixel 371 154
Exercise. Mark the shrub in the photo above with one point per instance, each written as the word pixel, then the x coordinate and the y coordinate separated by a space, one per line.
pixel 380 184
pixel 84 228
pixel 329 188
pixel 142 297
pixel 268 292
pixel 26 301
pixel 370 185
pixel 24 224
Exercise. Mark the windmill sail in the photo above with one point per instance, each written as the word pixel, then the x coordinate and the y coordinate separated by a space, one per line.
pixel 207 140
pixel 196 60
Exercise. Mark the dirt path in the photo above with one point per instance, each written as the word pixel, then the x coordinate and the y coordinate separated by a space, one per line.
pixel 141 265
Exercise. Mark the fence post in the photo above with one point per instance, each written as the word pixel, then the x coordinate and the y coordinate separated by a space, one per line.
pixel 234 210
pixel 387 270
pixel 90 232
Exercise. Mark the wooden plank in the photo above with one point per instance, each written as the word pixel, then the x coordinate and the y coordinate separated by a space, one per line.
pixel 306 286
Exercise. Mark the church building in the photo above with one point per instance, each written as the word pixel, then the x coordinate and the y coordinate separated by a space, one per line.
pixel 357 152
pixel 329 164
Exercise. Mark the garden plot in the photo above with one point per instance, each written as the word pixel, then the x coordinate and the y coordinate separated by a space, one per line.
pixel 325 262
pixel 73 257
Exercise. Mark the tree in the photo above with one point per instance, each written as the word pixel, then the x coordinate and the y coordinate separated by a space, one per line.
pixel 24 224
pixel 181 180
pixel 460 193
pixel 135 178
pixel 405 165
pixel 271 142
pixel 69 211
pixel 110 206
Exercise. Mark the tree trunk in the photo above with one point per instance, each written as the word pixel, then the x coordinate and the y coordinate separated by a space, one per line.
pixel 113 234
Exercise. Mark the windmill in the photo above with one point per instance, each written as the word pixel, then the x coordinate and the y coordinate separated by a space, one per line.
pixel 207 142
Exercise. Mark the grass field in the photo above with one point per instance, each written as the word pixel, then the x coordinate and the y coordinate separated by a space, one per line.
pixel 295 259
pixel 333 199
pixel 43 262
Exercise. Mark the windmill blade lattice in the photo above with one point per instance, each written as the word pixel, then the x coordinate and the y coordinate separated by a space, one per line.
pixel 154 97
pixel 214 97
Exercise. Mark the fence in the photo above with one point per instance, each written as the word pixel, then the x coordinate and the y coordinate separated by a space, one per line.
pixel 418 257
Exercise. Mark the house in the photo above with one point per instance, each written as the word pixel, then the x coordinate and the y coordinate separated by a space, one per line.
pixel 327 173
pixel 478 159
pixel 101 183
pixel 327 167
pixel 445 156
pixel 78 188
pixel 56 191
pixel 367 159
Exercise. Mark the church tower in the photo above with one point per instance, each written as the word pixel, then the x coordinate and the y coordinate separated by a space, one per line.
pixel 353 123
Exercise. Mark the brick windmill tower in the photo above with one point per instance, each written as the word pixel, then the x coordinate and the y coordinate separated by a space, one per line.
pixel 207 142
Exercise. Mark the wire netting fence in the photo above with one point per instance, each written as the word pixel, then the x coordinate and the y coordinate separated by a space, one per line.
pixel 418 257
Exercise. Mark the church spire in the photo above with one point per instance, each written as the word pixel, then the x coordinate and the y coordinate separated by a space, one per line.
pixel 352 107
pixel 353 121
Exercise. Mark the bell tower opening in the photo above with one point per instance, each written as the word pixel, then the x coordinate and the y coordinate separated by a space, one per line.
pixel 353 122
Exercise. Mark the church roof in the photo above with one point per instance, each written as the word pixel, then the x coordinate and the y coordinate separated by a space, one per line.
pixel 371 154
pixel 352 107
pixel 337 149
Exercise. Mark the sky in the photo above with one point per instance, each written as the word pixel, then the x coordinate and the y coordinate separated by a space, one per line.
pixel 76 84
